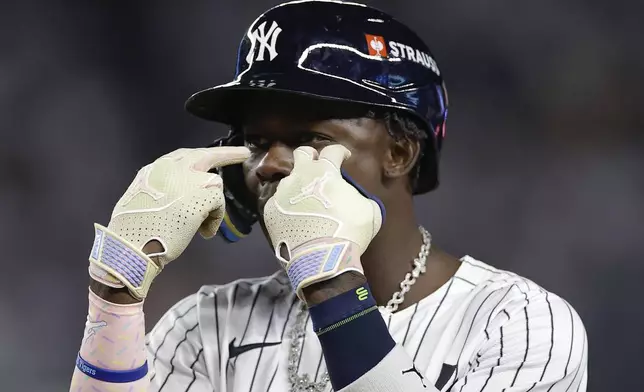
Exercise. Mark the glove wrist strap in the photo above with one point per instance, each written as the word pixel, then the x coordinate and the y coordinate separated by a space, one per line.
pixel 321 260
pixel 123 261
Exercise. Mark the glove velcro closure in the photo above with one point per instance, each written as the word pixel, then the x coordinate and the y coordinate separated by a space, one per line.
pixel 124 261
pixel 322 260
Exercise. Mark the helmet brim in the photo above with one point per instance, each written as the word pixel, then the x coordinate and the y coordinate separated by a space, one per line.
pixel 229 103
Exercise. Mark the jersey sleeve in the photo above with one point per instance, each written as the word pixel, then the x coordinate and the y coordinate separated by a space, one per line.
pixel 537 343
pixel 175 351
pixel 396 372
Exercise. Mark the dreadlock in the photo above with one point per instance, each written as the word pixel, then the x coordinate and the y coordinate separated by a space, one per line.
pixel 401 126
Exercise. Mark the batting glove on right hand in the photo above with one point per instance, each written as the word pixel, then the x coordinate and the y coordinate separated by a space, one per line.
pixel 168 201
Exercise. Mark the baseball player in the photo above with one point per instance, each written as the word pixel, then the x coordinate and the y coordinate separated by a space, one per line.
pixel 337 115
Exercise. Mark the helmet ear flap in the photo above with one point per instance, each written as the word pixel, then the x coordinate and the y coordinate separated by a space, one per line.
pixel 427 178
pixel 240 214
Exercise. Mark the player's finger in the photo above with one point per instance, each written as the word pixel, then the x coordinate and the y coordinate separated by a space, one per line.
pixel 209 227
pixel 304 154
pixel 335 154
pixel 221 156
pixel 212 180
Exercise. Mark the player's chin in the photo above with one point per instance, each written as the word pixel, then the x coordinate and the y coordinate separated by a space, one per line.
pixel 262 200
pixel 264 193
pixel 261 204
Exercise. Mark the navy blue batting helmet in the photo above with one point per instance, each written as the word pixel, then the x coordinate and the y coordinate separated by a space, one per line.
pixel 333 51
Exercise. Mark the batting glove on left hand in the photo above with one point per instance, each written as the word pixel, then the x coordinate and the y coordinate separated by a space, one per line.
pixel 320 224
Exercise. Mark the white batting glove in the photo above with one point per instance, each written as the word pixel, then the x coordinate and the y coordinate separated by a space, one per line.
pixel 318 223
pixel 168 201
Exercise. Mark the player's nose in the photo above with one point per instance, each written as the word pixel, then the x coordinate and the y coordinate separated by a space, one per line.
pixel 276 164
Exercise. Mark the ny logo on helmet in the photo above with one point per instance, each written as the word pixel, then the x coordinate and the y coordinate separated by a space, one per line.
pixel 266 40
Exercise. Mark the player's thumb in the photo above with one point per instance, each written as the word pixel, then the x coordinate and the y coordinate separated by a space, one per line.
pixel 210 205
pixel 209 227
pixel 222 156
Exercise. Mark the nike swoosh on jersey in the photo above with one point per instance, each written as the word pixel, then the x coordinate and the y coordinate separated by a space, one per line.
pixel 234 351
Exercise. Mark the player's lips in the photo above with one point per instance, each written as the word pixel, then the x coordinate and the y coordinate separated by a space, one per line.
pixel 265 193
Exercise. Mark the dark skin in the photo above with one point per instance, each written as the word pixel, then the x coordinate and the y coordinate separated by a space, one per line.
pixel 380 164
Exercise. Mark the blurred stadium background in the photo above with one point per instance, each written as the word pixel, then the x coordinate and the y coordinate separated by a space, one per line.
pixel 541 171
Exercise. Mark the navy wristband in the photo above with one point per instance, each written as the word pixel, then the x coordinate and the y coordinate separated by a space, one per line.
pixel 342 307
pixel 354 348
pixel 114 376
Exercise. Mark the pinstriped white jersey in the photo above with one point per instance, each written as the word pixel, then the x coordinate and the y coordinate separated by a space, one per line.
pixel 484 330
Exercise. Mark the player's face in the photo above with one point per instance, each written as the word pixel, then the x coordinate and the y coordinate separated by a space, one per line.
pixel 272 139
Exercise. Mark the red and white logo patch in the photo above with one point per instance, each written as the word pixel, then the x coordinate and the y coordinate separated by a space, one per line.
pixel 376 45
